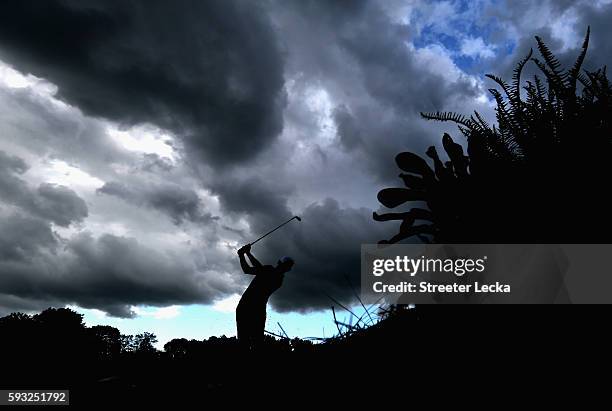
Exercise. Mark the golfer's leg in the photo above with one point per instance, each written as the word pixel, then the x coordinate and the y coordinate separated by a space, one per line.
pixel 242 331
pixel 259 331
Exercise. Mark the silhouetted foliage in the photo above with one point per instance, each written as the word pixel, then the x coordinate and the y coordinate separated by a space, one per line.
pixel 99 375
pixel 59 344
pixel 539 175
pixel 144 343
pixel 55 347
pixel 107 341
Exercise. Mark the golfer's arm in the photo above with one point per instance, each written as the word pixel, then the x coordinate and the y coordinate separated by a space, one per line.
pixel 246 268
pixel 254 260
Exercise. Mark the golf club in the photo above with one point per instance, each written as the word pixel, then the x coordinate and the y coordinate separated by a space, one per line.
pixel 270 232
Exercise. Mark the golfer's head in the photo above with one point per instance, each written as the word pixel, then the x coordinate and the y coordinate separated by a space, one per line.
pixel 285 264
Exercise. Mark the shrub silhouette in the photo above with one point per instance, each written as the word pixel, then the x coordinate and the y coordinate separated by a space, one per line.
pixel 537 176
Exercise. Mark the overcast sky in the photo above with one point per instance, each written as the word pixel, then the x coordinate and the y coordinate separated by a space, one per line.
pixel 141 142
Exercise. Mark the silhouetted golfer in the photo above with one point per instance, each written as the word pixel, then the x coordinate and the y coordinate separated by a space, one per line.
pixel 251 311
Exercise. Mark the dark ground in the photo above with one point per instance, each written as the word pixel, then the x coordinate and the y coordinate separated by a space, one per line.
pixel 409 351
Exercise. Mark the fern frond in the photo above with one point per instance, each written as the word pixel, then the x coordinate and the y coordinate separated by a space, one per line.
pixel 516 76
pixel 584 80
pixel 574 72
pixel 501 82
pixel 539 87
pixel 448 116
pixel 482 122
pixel 549 58
pixel 465 131
pixel 554 80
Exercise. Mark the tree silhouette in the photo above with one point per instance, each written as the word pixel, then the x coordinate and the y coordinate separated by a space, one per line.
pixel 539 175
pixel 107 341
pixel 178 348
pixel 145 342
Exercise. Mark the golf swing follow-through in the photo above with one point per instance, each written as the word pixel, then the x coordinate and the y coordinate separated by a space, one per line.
pixel 271 231
pixel 251 310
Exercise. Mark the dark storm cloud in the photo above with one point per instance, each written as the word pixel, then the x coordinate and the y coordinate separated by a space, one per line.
pixel 600 53
pixel 359 53
pixel 113 271
pixel 209 70
pixel 109 273
pixel 12 164
pixel 179 203
pixel 39 268
pixel 392 73
pixel 213 72
pixel 51 131
pixel 50 202
pixel 13 303
pixel 258 199
pixel 349 133
pixel 60 204
pixel 375 140
pixel 21 237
